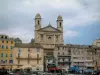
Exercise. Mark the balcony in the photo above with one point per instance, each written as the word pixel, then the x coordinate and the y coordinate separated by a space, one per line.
pixel 49 46
pixel 89 65
pixel 64 61
pixel 63 55
pixel 28 58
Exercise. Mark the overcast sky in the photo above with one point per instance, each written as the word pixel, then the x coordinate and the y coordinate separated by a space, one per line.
pixel 81 18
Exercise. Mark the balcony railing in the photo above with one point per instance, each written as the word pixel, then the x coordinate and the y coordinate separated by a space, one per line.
pixel 64 61
pixel 64 55
pixel 22 58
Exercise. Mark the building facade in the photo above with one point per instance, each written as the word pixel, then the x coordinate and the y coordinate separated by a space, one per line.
pixel 7 58
pixel 96 43
pixel 62 55
pixel 70 55
pixel 29 55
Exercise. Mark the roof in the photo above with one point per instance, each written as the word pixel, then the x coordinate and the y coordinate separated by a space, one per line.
pixel 37 15
pixel 59 17
pixel 49 28
pixel 27 45
pixel 79 46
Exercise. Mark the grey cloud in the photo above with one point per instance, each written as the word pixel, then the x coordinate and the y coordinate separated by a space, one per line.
pixel 20 13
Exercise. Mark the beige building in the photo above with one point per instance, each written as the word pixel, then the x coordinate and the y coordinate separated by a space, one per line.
pixel 62 54
pixel 96 43
pixel 29 55
pixel 74 55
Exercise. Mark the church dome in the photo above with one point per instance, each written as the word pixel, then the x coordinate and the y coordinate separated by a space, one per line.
pixel 59 17
pixel 38 15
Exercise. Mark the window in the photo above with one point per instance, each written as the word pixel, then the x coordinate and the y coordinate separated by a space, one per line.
pixel 58 48
pixel 11 47
pixel 63 59
pixel 11 55
pixel 28 50
pixel 1 54
pixel 63 53
pixel 5 37
pixel 1 61
pixel 6 47
pixel 2 46
pixel 19 51
pixel 7 41
pixel 11 42
pixel 10 61
pixel 6 55
pixel 60 24
pixel 38 22
pixel 3 41
pixel 42 36
pixel 49 37
pixel 2 37
pixel 58 58
pixel 58 53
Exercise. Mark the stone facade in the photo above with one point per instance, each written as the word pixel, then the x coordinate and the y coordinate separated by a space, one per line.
pixel 29 55
pixel 62 55
pixel 76 55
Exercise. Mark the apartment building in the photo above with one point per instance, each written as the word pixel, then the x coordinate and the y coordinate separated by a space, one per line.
pixel 62 54
pixel 7 58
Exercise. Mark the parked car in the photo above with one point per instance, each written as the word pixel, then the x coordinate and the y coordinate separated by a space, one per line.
pixel 96 72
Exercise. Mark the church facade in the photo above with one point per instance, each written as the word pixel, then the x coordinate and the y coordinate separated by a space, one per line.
pixel 48 36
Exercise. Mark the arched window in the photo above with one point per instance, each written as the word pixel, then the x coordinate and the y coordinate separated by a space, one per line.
pixel 60 24
pixel 7 41
pixel 49 37
pixel 2 37
pixel 38 22
pixel 5 37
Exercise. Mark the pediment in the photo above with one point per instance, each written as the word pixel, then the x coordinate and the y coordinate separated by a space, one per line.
pixel 50 29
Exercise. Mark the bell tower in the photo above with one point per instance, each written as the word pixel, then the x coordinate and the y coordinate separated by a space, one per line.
pixel 37 21
pixel 60 23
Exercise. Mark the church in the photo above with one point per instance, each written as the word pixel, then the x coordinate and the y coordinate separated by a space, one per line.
pixel 48 36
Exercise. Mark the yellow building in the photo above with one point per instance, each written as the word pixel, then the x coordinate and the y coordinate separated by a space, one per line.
pixel 6 51
pixel 29 56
